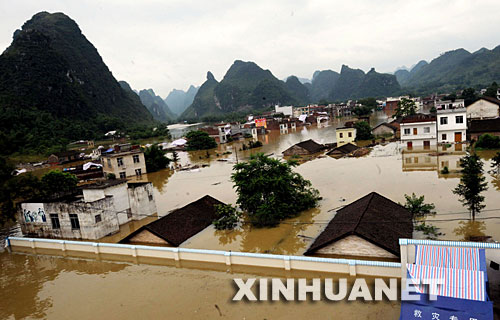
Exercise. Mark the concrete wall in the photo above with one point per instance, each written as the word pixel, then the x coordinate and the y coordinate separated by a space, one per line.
pixel 136 252
pixel 482 109
pixel 86 212
pixel 355 246
pixel 141 199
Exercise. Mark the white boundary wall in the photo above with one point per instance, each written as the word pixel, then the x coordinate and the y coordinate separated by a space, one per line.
pixel 342 266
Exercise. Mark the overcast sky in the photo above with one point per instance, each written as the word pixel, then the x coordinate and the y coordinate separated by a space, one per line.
pixel 172 44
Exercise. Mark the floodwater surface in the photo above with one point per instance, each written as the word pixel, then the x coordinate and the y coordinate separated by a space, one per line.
pixel 62 288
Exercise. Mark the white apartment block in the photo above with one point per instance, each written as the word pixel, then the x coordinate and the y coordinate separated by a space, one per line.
pixel 451 121
pixel 419 131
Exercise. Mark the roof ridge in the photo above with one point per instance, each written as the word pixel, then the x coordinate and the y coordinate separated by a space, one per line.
pixel 364 211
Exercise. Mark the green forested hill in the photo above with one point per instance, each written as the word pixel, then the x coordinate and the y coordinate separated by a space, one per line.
pixel 55 87
pixel 456 69
pixel 298 90
pixel 322 84
pixel 354 83
pixel 204 102
pixel 245 87
pixel 156 105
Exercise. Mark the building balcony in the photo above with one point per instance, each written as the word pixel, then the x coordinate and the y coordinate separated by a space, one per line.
pixel 451 110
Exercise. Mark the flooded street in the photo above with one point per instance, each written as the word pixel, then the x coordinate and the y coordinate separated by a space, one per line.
pixel 44 287
pixel 60 288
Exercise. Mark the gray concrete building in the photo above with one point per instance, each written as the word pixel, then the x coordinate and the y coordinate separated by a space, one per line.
pixel 98 210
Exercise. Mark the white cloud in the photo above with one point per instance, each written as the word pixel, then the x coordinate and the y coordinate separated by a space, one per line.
pixel 172 44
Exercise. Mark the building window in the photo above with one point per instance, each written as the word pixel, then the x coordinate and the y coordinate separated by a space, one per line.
pixel 136 158
pixel 109 163
pixel 98 218
pixel 415 131
pixel 119 161
pixel 150 197
pixel 443 137
pixel 123 175
pixel 75 223
pixel 138 172
pixel 341 135
pixel 349 134
pixel 427 129
pixel 444 120
pixel 54 218
pixel 459 119
pixel 407 131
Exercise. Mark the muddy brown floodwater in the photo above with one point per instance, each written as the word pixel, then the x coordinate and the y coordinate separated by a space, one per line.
pixel 59 288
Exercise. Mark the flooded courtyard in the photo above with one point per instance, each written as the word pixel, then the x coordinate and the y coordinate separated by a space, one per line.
pixel 61 288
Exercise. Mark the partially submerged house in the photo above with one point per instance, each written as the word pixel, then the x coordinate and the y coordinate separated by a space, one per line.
pixel 419 130
pixel 345 135
pixel 124 161
pixel 386 130
pixel 307 147
pixel 343 150
pixel 177 226
pixel 95 211
pixel 370 227
pixel 64 156
pixel 480 127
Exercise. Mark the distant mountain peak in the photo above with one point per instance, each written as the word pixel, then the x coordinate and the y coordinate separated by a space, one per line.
pixel 210 76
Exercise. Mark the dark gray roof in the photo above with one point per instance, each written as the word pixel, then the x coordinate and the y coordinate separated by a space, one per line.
pixel 181 224
pixel 486 125
pixel 373 218
pixel 345 149
pixel 310 145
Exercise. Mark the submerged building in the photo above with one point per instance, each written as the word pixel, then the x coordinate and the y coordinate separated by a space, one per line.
pixel 177 226
pixel 97 210
pixel 370 227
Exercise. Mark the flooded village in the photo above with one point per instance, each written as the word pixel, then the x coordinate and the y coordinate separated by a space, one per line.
pixel 173 207
pixel 250 160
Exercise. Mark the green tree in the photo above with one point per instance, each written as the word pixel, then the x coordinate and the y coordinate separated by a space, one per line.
pixel 269 191
pixel 492 90
pixel 433 110
pixel 417 206
pixel 487 141
pixel 200 140
pixel 227 217
pixel 56 183
pixel 368 102
pixel 472 183
pixel 362 111
pixel 363 131
pixel 469 95
pixel 155 159
pixel 406 107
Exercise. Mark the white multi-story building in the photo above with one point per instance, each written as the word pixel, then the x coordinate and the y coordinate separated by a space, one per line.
pixel 451 121
pixel 419 130
pixel 286 110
